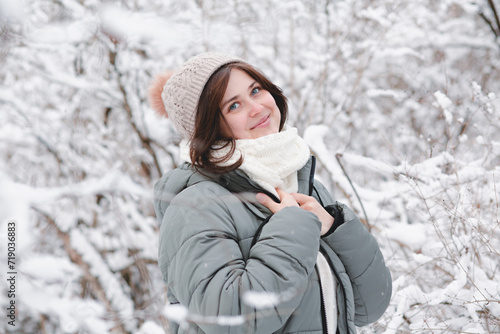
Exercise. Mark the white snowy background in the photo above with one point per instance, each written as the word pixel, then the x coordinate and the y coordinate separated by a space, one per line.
pixel 399 100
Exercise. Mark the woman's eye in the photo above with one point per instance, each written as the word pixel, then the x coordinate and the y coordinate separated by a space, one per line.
pixel 233 106
pixel 255 90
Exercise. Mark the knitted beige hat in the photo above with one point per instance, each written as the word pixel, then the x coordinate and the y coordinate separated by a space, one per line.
pixel 176 94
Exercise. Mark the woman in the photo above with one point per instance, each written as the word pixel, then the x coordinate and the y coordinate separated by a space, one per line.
pixel 244 219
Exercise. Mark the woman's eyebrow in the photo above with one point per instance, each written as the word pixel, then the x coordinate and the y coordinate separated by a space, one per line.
pixel 253 84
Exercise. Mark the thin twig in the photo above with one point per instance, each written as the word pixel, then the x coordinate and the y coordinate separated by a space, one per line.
pixel 145 141
pixel 495 13
pixel 338 156
pixel 489 23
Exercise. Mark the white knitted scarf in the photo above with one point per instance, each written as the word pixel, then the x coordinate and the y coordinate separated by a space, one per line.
pixel 271 161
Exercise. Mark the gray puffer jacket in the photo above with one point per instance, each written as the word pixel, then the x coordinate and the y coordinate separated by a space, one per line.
pixel 216 244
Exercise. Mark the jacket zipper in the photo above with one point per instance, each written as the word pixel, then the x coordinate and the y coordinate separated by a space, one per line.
pixel 322 250
pixel 339 282
pixel 259 231
pixel 311 175
pixel 327 286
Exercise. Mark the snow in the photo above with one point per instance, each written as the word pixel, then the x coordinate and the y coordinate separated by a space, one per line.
pixel 127 24
pixel 150 327
pixel 111 285
pixel 261 300
pixel 181 315
pixel 444 103
pixel 68 32
pixel 176 312
pixel 48 268
pixel 412 236
pixel 11 10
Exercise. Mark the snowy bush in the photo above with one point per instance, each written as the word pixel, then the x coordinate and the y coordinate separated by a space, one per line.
pixel 399 101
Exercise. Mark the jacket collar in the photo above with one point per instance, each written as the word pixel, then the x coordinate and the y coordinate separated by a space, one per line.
pixel 305 176
pixel 238 182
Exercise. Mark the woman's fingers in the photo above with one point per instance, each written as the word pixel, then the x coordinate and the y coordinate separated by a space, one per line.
pixel 286 200
pixel 301 198
pixel 307 203
pixel 310 204
pixel 267 202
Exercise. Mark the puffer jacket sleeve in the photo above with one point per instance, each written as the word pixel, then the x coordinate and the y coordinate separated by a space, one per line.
pixel 203 266
pixel 364 263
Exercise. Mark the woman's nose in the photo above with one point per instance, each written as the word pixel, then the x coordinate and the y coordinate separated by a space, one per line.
pixel 255 108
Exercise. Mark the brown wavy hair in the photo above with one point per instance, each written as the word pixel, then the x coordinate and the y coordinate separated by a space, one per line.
pixel 208 130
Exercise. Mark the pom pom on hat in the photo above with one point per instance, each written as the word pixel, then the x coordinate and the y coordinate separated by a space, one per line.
pixel 154 93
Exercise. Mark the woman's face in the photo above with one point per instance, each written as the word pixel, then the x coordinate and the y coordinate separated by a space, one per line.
pixel 250 111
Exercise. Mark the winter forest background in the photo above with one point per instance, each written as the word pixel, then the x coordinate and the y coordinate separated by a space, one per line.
pixel 399 101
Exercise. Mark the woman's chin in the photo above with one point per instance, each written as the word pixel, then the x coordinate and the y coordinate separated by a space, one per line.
pixel 261 132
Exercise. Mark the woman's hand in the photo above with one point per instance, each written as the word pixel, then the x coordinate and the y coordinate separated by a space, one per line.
pixel 286 200
pixel 310 204
pixel 305 202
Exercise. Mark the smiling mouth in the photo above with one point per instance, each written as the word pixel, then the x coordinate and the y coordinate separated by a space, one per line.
pixel 262 121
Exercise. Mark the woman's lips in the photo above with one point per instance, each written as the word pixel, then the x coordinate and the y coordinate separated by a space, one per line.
pixel 264 121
